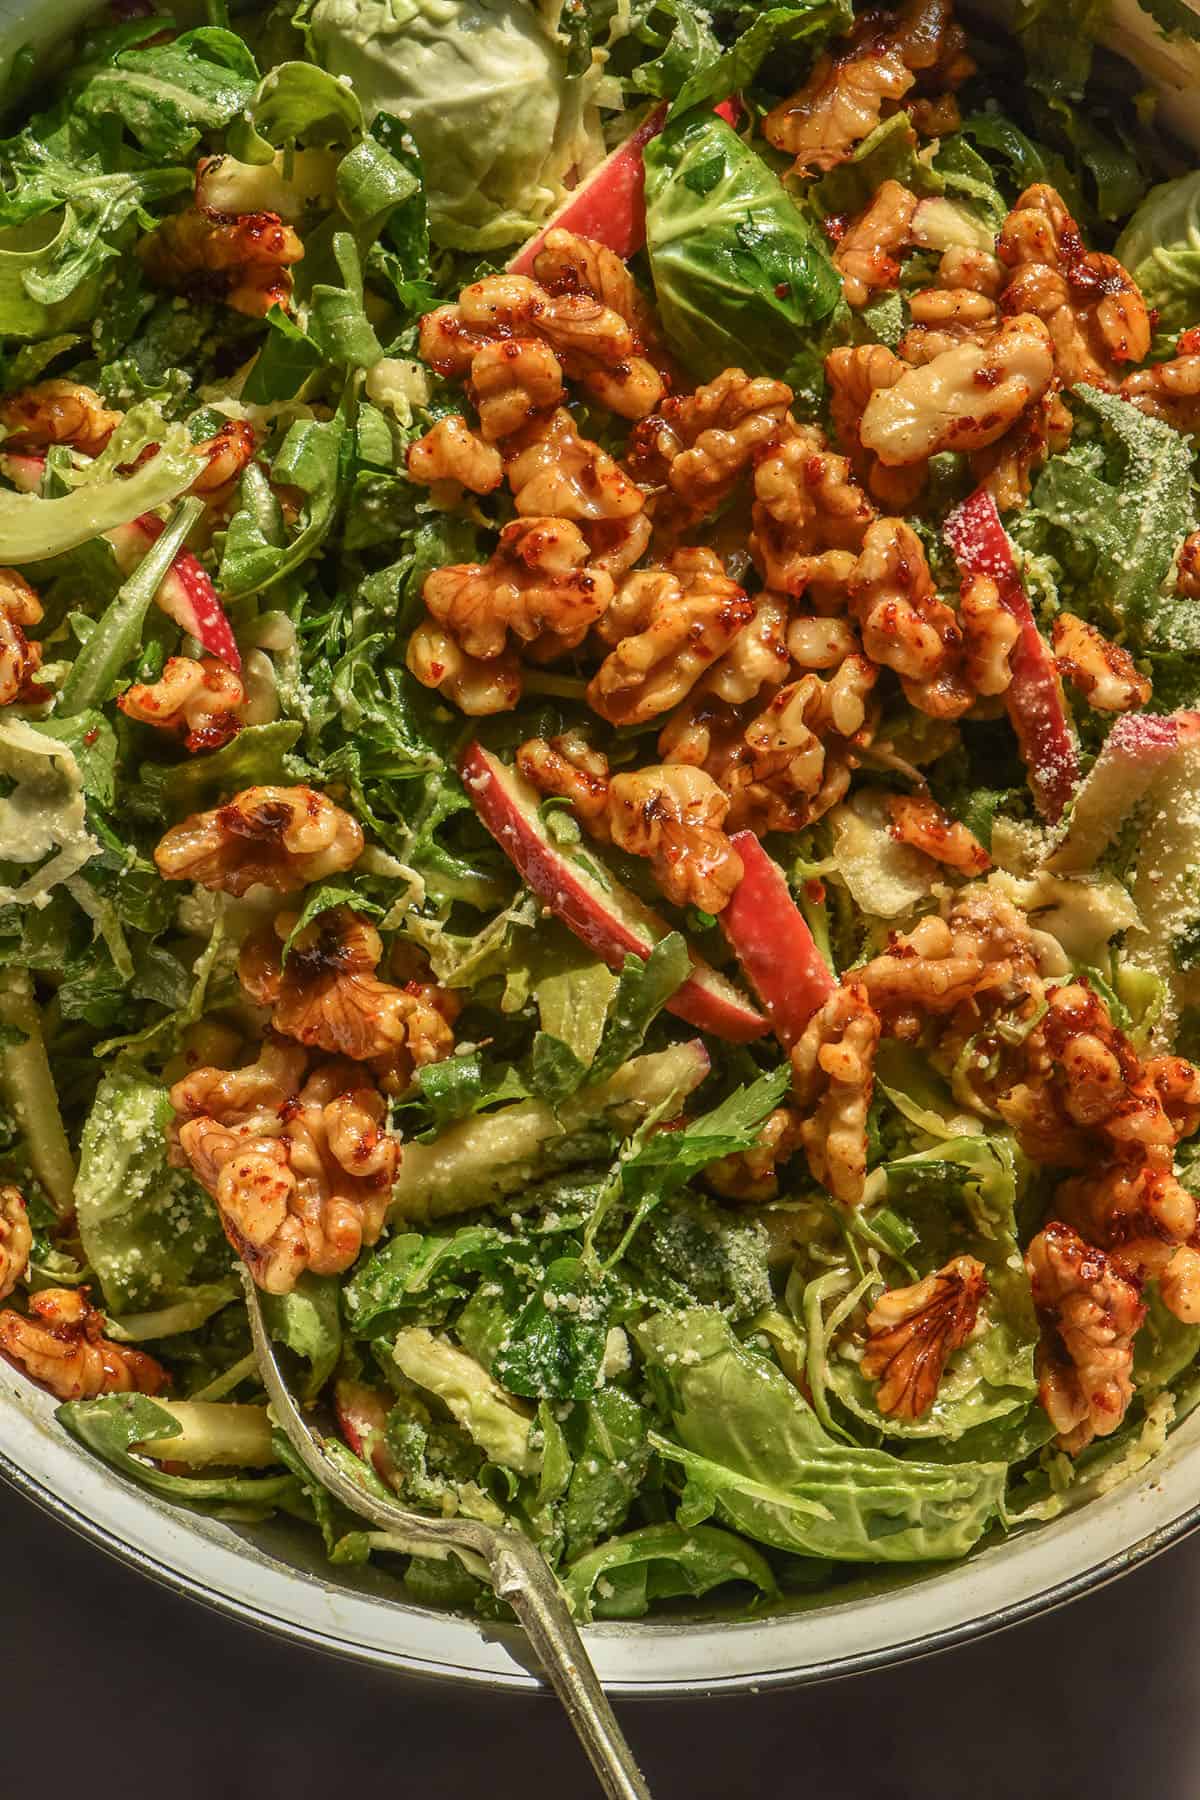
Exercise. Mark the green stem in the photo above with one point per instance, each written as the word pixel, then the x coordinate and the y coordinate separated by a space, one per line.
pixel 119 632
pixel 28 1086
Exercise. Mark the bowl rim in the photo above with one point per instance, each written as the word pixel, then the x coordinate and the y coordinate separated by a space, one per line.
pixel 206 1560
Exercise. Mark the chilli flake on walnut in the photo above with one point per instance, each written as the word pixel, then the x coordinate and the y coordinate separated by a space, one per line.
pixel 963 399
pixel 1104 673
pixel 1090 1314
pixel 20 659
pixel 283 837
pixel 201 702
pixel 536 586
pixel 451 457
pixel 246 261
pixel 62 1344
pixel 699 445
pixel 554 472
pixel 667 627
pixel 833 1078
pixel 329 996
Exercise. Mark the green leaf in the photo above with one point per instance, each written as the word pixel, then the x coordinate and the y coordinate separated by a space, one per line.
pixel 1118 504
pixel 309 1321
pixel 644 987
pixel 296 103
pixel 767 32
pixel 555 1346
pixel 33 529
pixel 167 95
pixel 149 1231
pixel 1160 246
pixel 371 184
pixel 337 323
pixel 665 1562
pixel 254 757
pixel 285 362
pixel 92 741
pixel 309 458
pixel 113 1426
pixel 740 273
pixel 607 1436
pixel 754 1452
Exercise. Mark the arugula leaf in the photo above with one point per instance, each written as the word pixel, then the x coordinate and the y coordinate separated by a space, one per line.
pixel 285 362
pixel 555 1345
pixel 254 757
pixel 735 68
pixel 92 741
pixel 296 102
pixel 114 1426
pixel 337 323
pixel 643 989
pixel 607 1436
pixel 167 95
pixel 309 1321
pixel 256 555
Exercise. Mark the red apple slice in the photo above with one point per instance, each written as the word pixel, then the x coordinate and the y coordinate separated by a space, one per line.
pixel 772 942
pixel 1136 752
pixel 362 1415
pixel 25 472
pixel 1034 698
pixel 609 205
pixel 187 594
pixel 610 919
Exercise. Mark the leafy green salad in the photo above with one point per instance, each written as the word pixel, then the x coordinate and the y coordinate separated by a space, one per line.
pixel 600 769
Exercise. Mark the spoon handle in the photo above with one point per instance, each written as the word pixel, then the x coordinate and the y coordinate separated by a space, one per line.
pixel 521 1576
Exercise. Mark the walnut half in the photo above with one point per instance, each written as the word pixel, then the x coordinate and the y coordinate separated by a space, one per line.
pixel 62 1344
pixel 913 1331
pixel 16 1239
pixel 283 837
pixel 1089 1315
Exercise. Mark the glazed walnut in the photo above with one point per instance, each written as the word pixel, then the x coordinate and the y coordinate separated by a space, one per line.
pixel 328 995
pixel 867 254
pixel 593 344
pixel 283 837
pixel 866 75
pixel 982 951
pixel 674 816
pixel 699 446
pixel 963 399
pixel 1095 314
pixel 301 1168
pixel 758 657
pixel 478 687
pixel 1089 1315
pixel 929 828
pixel 797 755
pixel 855 374
pixel 1170 391
pixel 556 473
pixel 990 633
pixel 810 517
pixel 833 1078
pixel 913 1331
pixel 1008 466
pixel 1102 671
pixel 668 626
pixel 20 659
pixel 223 456
pixel 57 412
pixel 451 457
pixel 201 702
pixel 753 1175
pixel 245 261
pixel 959 308
pixel 905 625
pixel 537 586
pixel 62 1345
pixel 16 1239
pixel 514 383
pixel 567 263
pixel 1187 567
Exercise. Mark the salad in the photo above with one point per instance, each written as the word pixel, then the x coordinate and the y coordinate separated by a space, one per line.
pixel 600 752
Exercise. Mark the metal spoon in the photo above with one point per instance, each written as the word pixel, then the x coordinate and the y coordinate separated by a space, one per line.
pixel 518 1571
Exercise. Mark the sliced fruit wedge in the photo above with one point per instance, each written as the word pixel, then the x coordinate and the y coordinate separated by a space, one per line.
pixel 1034 698
pixel 771 940
pixel 609 205
pixel 600 910
pixel 186 595
pixel 1137 751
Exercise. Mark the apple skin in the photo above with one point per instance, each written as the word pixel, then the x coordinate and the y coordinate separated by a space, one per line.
pixel 768 933
pixel 362 1414
pixel 609 205
pixel 1034 698
pixel 186 595
pixel 611 921
pixel 1136 751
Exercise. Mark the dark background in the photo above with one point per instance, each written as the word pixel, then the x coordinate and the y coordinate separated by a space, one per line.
pixel 113 1687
